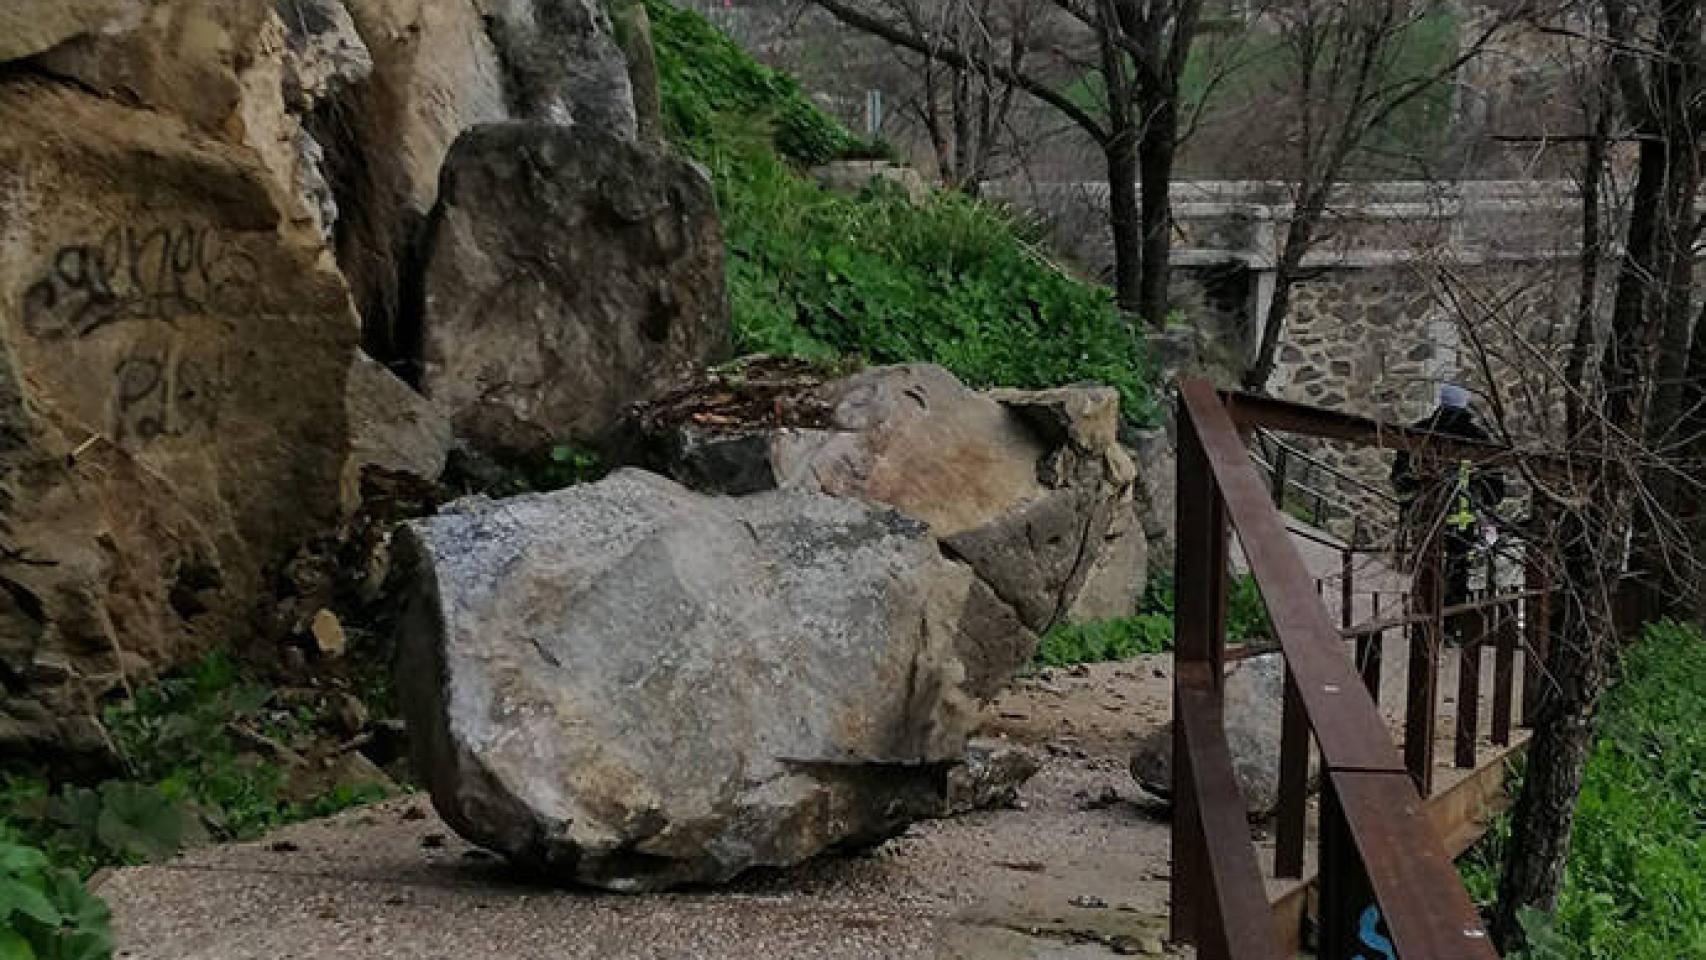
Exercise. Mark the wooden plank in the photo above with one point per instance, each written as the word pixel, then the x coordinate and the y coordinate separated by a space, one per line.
pixel 1504 673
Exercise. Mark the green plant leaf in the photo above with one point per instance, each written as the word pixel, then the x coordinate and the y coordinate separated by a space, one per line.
pixel 21 899
pixel 13 946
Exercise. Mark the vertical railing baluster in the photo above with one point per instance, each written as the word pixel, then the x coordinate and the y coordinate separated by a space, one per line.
pixel 1369 650
pixel 1469 685
pixel 1292 818
pixel 1504 672
pixel 1421 704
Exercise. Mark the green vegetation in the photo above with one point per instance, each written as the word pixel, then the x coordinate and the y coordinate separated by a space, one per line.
pixel 1635 885
pixel 45 912
pixel 1151 630
pixel 817 274
pixel 198 765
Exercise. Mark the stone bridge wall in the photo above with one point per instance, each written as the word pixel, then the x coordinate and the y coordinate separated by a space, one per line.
pixel 1416 284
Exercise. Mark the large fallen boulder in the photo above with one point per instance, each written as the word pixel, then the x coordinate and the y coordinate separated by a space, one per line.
pixel 568 274
pixel 631 685
pixel 1031 488
pixel 172 419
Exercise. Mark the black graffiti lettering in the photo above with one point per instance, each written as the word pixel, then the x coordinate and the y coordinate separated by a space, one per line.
pixel 154 274
pixel 154 398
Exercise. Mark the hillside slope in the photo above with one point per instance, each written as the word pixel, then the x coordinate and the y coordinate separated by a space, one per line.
pixel 950 280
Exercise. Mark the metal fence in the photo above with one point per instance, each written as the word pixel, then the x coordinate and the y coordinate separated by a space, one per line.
pixel 1386 880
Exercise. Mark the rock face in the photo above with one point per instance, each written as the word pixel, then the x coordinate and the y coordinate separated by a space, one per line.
pixel 1030 488
pixel 190 192
pixel 569 273
pixel 172 376
pixel 635 686
pixel 441 67
pixel 1255 691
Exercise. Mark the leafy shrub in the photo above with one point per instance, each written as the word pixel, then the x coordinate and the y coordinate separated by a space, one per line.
pixel 817 274
pixel 45 912
pixel 1151 630
pixel 189 776
pixel 1100 640
pixel 1635 883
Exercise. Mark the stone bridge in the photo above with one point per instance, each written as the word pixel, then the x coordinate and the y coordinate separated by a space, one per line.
pixel 1403 268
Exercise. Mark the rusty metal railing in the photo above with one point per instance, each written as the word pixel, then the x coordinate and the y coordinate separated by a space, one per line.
pixel 1387 886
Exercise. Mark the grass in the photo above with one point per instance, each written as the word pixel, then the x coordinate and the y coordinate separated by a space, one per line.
pixel 1635 883
pixel 874 276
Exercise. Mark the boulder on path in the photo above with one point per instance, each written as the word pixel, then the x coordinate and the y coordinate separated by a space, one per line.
pixel 172 390
pixel 630 685
pixel 1031 488
pixel 1255 692
pixel 568 274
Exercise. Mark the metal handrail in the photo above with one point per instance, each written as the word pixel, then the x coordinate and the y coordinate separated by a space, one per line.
pixel 1293 450
pixel 1380 857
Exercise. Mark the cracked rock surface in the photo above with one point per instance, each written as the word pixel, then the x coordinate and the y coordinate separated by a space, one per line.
pixel 634 686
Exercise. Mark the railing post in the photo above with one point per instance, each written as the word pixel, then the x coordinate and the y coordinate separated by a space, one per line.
pixel 1504 673
pixel 1422 702
pixel 1344 888
pixel 1292 817
pixel 1282 463
pixel 1469 686
pixel 1368 652
pixel 1199 637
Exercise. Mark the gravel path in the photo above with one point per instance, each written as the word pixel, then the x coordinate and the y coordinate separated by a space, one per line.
pixel 1079 872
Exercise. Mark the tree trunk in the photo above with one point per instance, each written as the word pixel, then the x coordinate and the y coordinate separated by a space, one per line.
pixel 1587 298
pixel 1155 157
pixel 1123 216
pixel 1578 671
pixel 1299 236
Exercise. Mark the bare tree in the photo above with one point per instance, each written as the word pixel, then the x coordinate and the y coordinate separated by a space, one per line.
pixel 1634 430
pixel 1118 81
pixel 1345 89
pixel 965 113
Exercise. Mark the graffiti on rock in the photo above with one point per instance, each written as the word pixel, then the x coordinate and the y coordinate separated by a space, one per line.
pixel 158 396
pixel 139 274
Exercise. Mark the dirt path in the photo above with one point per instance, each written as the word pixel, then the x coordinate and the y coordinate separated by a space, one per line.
pixel 1079 872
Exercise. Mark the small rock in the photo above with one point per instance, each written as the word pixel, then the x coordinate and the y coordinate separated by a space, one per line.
pixel 1107 797
pixel 283 846
pixel 414 813
pixel 328 634
pixel 1088 902
pixel 1078 670
pixel 349 713
pixel 433 841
